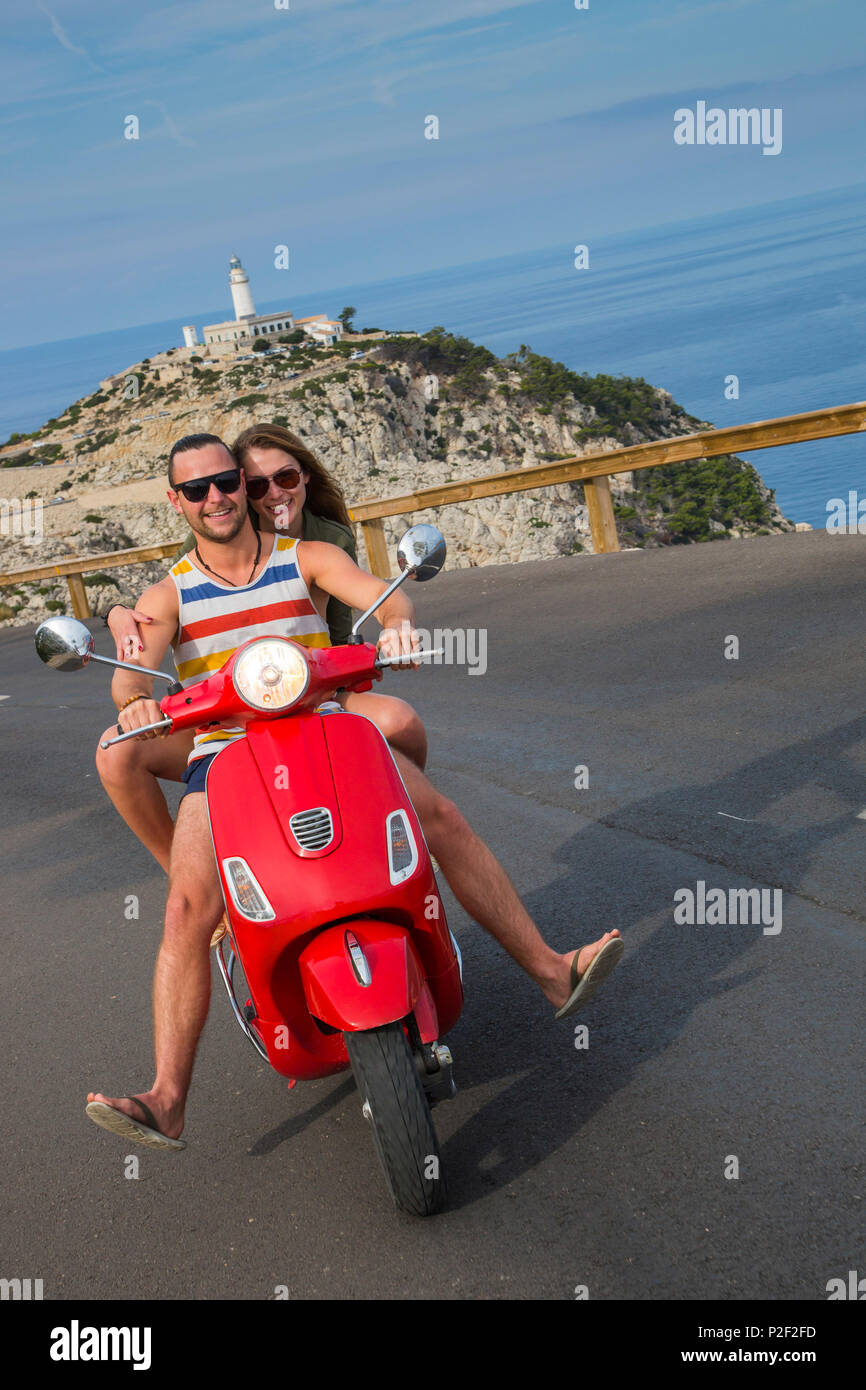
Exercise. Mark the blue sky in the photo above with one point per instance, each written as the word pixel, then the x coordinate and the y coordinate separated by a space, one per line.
pixel 263 126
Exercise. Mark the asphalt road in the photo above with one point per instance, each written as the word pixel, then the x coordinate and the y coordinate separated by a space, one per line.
pixel 601 1167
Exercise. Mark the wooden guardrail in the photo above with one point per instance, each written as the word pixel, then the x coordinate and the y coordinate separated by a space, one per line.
pixel 593 470
pixel 72 570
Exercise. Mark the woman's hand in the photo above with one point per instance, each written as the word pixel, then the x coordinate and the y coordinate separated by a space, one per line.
pixel 123 624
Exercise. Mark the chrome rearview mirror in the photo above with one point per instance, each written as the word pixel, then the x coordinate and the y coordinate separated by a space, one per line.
pixel 420 554
pixel 67 645
pixel 421 551
pixel 64 643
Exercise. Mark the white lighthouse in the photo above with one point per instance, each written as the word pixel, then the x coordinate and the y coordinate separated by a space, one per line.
pixel 240 288
pixel 236 335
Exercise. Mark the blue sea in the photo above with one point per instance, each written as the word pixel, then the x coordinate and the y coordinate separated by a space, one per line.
pixel 774 295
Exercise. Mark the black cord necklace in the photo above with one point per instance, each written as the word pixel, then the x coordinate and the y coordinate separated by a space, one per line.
pixel 222 576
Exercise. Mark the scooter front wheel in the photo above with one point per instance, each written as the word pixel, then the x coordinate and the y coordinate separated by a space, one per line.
pixel 399 1115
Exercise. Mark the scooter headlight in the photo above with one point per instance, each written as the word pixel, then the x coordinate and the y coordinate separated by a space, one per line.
pixel 271 674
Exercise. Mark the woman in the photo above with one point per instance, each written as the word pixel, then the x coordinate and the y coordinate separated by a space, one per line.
pixel 289 491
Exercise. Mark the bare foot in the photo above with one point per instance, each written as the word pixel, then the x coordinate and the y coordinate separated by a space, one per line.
pixel 169 1119
pixel 558 989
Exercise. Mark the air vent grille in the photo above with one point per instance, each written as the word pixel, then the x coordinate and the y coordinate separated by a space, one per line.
pixel 313 829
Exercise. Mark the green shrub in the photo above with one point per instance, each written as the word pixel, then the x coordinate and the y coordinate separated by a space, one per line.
pixel 689 495
pixel 444 354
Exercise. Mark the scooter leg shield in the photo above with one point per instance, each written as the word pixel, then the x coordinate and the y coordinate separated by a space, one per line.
pixel 361 974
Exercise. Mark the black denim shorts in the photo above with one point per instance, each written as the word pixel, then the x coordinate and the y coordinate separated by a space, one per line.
pixel 196 773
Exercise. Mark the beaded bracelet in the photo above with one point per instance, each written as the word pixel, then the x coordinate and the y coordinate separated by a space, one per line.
pixel 131 701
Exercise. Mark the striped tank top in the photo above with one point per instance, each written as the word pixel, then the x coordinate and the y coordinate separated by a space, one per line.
pixel 214 619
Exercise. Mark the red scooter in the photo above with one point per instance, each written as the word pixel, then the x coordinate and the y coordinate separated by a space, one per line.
pixel 335 917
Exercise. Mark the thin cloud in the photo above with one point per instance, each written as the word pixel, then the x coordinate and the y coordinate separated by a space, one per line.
pixel 170 124
pixel 63 38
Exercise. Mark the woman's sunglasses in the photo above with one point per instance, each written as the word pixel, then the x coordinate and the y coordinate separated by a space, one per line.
pixel 285 478
pixel 198 488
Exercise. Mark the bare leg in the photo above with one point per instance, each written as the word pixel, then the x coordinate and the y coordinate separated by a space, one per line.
pixel 484 889
pixel 181 984
pixel 129 773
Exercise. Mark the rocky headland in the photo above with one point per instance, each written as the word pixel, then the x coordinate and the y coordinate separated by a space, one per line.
pixel 386 415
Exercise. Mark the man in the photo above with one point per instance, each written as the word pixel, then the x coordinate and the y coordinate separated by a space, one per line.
pixel 289 490
pixel 207 488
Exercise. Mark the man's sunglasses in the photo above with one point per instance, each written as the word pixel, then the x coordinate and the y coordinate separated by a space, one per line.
pixel 285 478
pixel 197 489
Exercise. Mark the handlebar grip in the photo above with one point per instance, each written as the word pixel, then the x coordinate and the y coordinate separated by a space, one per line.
pixel 133 733
pixel 409 656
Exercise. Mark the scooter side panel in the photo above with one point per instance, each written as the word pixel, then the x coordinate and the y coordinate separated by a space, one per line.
pixel 366 756
pixel 243 823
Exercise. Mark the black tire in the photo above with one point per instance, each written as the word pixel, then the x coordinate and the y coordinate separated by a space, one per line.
pixel 403 1129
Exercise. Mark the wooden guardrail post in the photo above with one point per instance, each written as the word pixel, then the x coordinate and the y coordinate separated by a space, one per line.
pixel 373 532
pixel 78 594
pixel 602 522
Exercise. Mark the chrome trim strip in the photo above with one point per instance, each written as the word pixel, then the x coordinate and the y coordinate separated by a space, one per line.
pixel 227 973
pixel 457 952
pixel 360 964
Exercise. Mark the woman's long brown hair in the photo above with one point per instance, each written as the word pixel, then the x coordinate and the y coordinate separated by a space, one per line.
pixel 324 495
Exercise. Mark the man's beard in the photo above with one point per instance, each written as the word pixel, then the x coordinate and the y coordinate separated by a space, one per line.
pixel 198 524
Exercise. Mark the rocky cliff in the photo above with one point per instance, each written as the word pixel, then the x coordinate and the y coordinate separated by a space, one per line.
pixel 409 412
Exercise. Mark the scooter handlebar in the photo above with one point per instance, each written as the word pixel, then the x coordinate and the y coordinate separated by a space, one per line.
pixel 408 656
pixel 133 733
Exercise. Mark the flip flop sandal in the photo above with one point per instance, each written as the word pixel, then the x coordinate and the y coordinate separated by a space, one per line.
pixel 220 931
pixel 595 974
pixel 118 1123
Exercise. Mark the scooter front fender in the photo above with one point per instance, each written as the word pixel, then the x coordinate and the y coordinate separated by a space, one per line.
pixel 351 991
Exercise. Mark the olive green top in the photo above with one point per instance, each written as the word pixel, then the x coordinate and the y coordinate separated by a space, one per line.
pixel 319 528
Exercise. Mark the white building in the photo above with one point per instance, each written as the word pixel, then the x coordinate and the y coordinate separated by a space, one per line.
pixel 237 334
pixel 321 329
pixel 239 283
